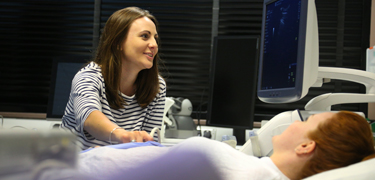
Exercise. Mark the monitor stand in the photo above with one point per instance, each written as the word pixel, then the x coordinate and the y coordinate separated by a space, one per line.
pixel 240 135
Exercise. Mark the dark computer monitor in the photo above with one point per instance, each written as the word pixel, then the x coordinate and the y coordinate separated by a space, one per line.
pixel 289 50
pixel 233 80
pixel 63 71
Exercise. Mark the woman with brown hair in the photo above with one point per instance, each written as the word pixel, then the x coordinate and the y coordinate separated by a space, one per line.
pixel 325 141
pixel 120 96
pixel 342 140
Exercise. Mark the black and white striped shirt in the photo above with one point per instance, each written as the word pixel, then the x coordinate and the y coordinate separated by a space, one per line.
pixel 88 94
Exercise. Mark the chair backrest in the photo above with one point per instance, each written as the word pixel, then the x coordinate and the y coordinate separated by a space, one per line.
pixel 168 104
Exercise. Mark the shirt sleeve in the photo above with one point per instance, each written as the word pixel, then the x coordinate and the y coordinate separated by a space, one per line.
pixel 86 87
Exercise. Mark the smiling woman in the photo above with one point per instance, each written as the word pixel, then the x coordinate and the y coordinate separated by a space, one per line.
pixel 120 96
pixel 140 46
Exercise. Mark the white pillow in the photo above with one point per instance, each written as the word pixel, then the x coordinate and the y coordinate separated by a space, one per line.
pixel 360 171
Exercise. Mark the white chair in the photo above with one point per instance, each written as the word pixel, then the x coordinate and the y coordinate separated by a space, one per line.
pixel 168 104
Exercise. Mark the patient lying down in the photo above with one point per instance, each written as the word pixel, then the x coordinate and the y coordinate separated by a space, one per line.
pixel 325 141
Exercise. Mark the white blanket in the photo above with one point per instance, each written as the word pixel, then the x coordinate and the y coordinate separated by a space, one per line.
pixel 196 157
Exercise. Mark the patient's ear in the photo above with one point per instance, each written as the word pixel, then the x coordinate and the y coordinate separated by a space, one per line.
pixel 305 148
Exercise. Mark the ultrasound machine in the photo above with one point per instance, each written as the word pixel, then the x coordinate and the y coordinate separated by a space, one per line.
pixel 289 66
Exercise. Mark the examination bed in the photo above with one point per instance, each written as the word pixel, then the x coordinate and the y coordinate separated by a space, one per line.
pixel 192 164
pixel 62 162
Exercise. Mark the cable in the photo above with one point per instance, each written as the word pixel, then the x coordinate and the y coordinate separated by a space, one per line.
pixel 18 127
pixel 199 114
pixel 157 131
pixel 2 121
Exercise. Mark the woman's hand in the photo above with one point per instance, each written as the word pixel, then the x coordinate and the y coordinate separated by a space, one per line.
pixel 99 126
pixel 123 136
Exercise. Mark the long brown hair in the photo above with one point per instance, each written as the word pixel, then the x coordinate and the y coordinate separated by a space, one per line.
pixel 344 139
pixel 108 57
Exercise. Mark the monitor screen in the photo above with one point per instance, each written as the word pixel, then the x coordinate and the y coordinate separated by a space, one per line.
pixel 63 72
pixel 281 27
pixel 233 80
pixel 288 64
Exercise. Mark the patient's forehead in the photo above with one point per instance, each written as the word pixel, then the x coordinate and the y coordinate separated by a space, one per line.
pixel 321 117
pixel 326 115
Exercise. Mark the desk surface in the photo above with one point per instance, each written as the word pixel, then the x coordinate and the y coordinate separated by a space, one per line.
pixel 30 124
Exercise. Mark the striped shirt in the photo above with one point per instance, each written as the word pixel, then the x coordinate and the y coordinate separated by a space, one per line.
pixel 88 94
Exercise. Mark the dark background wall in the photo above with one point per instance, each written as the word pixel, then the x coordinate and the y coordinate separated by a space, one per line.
pixel 34 32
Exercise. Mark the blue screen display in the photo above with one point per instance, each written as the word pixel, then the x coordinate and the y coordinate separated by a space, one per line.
pixel 280 46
